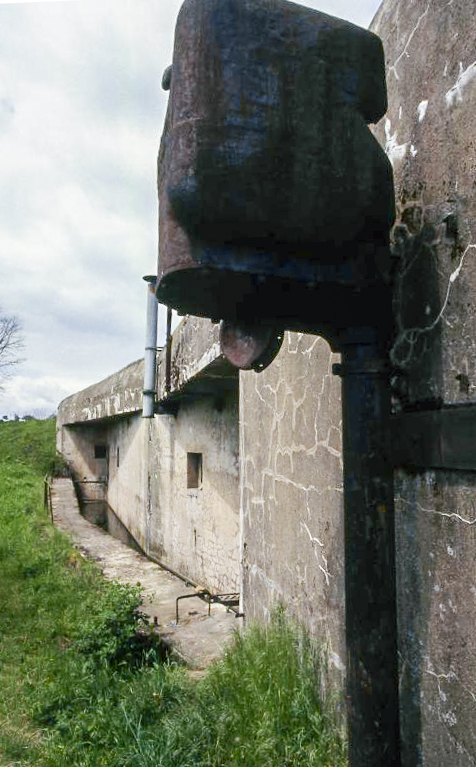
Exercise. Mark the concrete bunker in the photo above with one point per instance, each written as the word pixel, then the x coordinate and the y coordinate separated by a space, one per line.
pixel 289 427
pixel 168 485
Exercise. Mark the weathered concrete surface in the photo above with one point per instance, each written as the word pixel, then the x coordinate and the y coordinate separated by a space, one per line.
pixel 430 136
pixel 196 359
pixel 142 477
pixel 196 530
pixel 143 480
pixel 128 473
pixel 117 394
pixel 198 638
pixel 292 492
pixel 436 544
pixel 77 444
pixel 429 133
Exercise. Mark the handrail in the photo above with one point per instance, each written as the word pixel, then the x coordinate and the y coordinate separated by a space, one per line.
pixel 47 497
pixel 230 600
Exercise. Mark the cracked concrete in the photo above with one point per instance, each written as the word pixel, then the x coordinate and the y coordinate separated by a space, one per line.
pixel 393 69
pixel 292 495
pixel 434 241
pixel 432 97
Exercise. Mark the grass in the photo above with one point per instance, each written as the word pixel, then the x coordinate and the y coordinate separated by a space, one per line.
pixel 84 682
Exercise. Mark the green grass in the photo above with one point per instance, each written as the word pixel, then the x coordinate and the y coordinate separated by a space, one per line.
pixel 259 706
pixel 83 680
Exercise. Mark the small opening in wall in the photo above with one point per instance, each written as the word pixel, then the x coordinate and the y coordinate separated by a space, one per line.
pixel 117 462
pixel 100 451
pixel 194 470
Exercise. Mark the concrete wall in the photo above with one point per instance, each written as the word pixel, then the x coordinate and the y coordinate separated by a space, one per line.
pixel 430 136
pixel 82 426
pixel 128 473
pixel 196 530
pixel 78 446
pixel 141 484
pixel 292 494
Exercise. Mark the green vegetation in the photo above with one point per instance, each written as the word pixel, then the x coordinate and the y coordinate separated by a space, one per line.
pixel 85 683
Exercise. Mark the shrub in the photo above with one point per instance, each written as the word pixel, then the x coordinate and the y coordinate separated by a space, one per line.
pixel 83 679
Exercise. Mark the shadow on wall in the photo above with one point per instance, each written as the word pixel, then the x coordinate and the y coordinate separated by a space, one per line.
pixel 417 352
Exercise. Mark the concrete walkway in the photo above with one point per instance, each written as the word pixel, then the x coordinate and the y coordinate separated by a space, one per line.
pixel 199 638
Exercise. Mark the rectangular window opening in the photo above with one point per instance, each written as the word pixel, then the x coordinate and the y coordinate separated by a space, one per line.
pixel 117 457
pixel 194 470
pixel 100 451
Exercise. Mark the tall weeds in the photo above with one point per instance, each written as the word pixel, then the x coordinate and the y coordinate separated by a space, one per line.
pixel 84 682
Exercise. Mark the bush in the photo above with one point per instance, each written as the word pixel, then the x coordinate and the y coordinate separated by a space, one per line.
pixel 117 634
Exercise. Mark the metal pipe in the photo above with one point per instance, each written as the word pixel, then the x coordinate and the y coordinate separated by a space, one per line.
pixel 200 594
pixel 170 570
pixel 47 496
pixel 370 573
pixel 150 359
pixel 168 352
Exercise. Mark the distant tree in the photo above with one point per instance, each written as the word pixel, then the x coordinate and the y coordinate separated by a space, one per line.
pixel 11 343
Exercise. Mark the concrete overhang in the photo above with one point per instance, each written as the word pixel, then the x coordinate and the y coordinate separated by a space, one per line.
pixel 196 365
pixel 196 368
pixel 119 394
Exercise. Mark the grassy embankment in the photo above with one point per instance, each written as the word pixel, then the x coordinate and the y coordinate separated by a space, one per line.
pixel 82 683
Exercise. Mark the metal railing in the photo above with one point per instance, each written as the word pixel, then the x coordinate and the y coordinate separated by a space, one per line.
pixel 230 601
pixel 47 496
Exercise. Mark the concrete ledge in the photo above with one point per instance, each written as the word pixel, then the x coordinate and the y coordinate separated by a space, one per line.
pixel 195 359
pixel 118 394
pixel 196 367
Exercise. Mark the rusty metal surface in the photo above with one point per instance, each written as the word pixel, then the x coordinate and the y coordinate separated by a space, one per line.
pixel 250 347
pixel 266 158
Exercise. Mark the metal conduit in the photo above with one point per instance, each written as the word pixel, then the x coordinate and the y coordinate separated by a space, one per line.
pixel 148 399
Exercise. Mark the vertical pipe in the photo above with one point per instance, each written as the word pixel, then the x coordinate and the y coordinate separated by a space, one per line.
pixel 148 395
pixel 370 577
pixel 168 351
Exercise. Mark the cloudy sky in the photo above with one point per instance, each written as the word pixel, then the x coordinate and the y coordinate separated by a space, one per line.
pixel 81 113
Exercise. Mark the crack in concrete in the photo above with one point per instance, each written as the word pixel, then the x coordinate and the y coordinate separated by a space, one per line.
pixel 393 68
pixel 312 538
pixel 411 335
pixel 448 719
pixel 449 515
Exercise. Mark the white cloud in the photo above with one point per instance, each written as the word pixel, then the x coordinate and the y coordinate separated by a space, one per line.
pixel 38 397
pixel 81 113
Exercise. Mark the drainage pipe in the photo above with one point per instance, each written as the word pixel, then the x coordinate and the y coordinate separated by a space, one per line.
pixel 370 573
pixel 150 359
pixel 163 566
pixel 168 352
